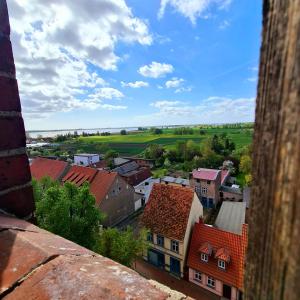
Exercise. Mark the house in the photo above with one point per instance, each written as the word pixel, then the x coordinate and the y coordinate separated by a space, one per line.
pixel 43 167
pixel 143 190
pixel 231 216
pixel 175 181
pixel 231 193
pixel 85 159
pixel 169 216
pixel 114 196
pixel 133 173
pixel 216 260
pixel 142 162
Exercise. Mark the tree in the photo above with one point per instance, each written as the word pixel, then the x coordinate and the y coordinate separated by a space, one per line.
pixel 123 132
pixel 111 154
pixel 68 211
pixel 156 130
pixel 245 164
pixel 122 246
pixel 273 260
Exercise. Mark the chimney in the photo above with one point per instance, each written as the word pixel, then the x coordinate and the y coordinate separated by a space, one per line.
pixel 16 196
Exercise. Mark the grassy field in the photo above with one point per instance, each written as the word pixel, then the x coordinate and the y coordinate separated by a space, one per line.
pixel 135 143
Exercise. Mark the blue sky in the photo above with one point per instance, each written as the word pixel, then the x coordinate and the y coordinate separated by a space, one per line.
pixel 135 63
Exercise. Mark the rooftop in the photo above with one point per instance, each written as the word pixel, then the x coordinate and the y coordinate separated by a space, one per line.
pixel 223 243
pixel 205 174
pixel 86 154
pixel 231 216
pixel 41 167
pixel 168 209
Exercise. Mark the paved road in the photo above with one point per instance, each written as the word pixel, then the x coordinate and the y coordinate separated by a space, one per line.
pixel 183 286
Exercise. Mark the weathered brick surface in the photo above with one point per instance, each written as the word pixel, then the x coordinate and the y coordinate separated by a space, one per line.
pixel 12 133
pixel 6 57
pixel 19 202
pixel 14 171
pixel 9 95
pixel 4 22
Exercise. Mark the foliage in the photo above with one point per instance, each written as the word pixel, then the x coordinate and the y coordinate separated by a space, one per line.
pixel 123 132
pixel 68 211
pixel 155 130
pixel 246 164
pixel 121 246
pixel 183 130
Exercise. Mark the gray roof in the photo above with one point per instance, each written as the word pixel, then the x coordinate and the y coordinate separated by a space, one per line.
pixel 120 161
pixel 128 167
pixel 176 180
pixel 230 189
pixel 231 216
pixel 86 154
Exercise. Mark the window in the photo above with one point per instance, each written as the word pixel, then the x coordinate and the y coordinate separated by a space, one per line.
pixel 221 264
pixel 204 190
pixel 175 246
pixel 146 183
pixel 160 241
pixel 197 276
pixel 150 237
pixel 208 181
pixel 198 180
pixel 119 188
pixel 211 282
pixel 204 257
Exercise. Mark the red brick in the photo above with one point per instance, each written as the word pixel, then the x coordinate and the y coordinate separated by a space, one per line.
pixel 6 57
pixel 19 202
pixel 14 170
pixel 12 133
pixel 9 95
pixel 4 22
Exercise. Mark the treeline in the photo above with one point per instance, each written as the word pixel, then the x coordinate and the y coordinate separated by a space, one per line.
pixel 188 155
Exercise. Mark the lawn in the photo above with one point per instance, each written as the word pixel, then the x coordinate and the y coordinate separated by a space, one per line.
pixel 135 143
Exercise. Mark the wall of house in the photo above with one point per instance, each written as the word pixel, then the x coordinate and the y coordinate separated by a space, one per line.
pixel 218 285
pixel 168 252
pixel 195 213
pixel 118 203
pixel 86 160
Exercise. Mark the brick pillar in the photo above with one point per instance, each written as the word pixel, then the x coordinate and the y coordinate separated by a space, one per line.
pixel 16 195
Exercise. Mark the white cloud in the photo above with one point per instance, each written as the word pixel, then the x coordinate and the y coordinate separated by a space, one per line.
pixel 224 24
pixel 165 103
pixel 156 70
pixel 192 9
pixel 252 79
pixel 174 82
pixel 135 85
pixel 183 89
pixel 58 46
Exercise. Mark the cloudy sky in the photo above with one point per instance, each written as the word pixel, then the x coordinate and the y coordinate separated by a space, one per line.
pixel 111 63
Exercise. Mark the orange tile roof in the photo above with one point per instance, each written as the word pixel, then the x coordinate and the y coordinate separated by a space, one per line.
pixel 78 175
pixel 206 248
pixel 101 184
pixel 223 254
pixel 42 167
pixel 235 246
pixel 168 209
pixel 100 181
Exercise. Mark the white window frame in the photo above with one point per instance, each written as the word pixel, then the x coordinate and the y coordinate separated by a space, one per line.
pixel 221 264
pixel 204 257
pixel 211 282
pixel 198 276
pixel 204 190
pixel 175 246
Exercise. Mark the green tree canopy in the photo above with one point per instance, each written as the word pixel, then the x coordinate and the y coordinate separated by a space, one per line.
pixel 121 246
pixel 68 211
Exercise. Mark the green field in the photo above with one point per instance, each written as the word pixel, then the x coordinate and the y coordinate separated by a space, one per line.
pixel 135 143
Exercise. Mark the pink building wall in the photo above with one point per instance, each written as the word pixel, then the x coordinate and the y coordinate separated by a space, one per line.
pixel 218 290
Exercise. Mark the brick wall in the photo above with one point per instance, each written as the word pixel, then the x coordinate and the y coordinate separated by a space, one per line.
pixel 15 180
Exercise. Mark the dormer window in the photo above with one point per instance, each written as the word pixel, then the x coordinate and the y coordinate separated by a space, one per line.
pixel 221 264
pixel 204 257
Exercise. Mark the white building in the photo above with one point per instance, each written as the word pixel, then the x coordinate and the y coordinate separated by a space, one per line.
pixel 85 159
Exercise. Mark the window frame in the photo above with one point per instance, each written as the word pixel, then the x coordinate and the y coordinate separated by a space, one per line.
pixel 198 276
pixel 204 257
pixel 161 238
pixel 221 264
pixel 211 282
pixel 173 242
pixel 204 190
pixel 150 237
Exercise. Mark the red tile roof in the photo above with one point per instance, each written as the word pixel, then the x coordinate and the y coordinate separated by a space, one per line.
pixel 100 181
pixel 168 209
pixel 101 184
pixel 224 175
pixel 205 174
pixel 223 254
pixel 220 240
pixel 42 167
pixel 78 175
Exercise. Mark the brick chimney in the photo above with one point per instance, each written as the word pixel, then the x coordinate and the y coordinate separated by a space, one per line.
pixel 16 195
